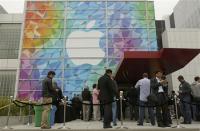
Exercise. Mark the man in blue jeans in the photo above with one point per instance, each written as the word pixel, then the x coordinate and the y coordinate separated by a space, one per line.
pixel 114 104
pixel 56 100
pixel 52 116
pixel 144 85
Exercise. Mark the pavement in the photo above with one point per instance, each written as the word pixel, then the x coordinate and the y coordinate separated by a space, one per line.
pixel 97 125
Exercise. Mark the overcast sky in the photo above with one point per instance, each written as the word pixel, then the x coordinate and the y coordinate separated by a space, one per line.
pixel 162 7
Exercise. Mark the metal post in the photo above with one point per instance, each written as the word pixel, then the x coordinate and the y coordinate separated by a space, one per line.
pixel 8 116
pixel 121 112
pixel 29 113
pixel 64 104
pixel 177 120
pixel 20 113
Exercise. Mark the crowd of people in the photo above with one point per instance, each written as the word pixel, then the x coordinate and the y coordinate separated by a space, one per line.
pixel 148 100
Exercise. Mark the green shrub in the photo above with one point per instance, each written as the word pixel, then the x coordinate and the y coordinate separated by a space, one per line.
pixel 15 110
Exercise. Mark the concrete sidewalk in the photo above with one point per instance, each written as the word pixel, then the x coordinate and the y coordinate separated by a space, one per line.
pixel 79 125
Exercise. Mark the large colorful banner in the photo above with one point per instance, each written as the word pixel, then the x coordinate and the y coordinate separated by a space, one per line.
pixel 78 40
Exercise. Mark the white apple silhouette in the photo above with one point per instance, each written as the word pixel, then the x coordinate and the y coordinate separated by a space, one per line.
pixel 79 43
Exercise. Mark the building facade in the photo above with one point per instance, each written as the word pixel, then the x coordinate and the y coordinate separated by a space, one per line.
pixel 186 14
pixel 184 34
pixel 70 75
pixel 79 39
pixel 10 31
pixel 2 10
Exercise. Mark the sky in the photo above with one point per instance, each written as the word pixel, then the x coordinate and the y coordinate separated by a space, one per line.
pixel 162 7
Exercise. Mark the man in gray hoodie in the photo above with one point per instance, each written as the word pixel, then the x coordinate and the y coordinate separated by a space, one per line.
pixel 195 86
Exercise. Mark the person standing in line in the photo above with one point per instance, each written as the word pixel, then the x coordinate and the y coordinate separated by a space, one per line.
pixel 55 101
pixel 95 100
pixel 106 95
pixel 162 108
pixel 166 88
pixel 77 106
pixel 185 100
pixel 144 85
pixel 86 97
pixel 58 102
pixel 47 92
pixel 195 86
pixel 114 104
pixel 133 99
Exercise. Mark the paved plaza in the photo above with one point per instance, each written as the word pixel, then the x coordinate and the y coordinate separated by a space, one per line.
pixel 96 125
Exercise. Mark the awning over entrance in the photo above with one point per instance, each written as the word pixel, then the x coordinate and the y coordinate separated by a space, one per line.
pixel 169 60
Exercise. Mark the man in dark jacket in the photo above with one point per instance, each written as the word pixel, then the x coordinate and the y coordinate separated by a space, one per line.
pixel 185 100
pixel 56 100
pixel 47 92
pixel 77 106
pixel 114 104
pixel 106 95
pixel 195 87
pixel 86 97
pixel 158 88
pixel 133 99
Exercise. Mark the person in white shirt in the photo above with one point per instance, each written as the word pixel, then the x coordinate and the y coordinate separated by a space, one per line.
pixel 144 85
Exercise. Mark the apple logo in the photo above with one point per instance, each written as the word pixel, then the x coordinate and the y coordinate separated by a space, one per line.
pixel 79 43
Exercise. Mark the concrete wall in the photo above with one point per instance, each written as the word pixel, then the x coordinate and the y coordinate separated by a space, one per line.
pixel 2 10
pixel 8 64
pixel 183 38
pixel 167 21
pixel 187 14
pixel 11 18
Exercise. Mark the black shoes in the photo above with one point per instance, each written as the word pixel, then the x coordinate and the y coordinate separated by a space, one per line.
pixel 161 125
pixel 139 124
pixel 167 125
pixel 185 122
pixel 108 126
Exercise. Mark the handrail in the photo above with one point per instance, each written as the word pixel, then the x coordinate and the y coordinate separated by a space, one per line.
pixel 5 106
